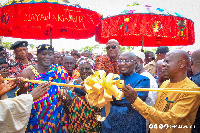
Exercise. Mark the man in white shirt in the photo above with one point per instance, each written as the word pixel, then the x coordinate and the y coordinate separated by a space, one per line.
pixel 140 70
pixel 152 95
pixel 15 112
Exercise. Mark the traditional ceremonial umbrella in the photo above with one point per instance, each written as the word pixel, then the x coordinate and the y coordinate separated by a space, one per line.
pixel 46 19
pixel 148 26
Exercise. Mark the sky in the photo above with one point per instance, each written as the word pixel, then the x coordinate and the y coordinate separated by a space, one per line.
pixel 188 8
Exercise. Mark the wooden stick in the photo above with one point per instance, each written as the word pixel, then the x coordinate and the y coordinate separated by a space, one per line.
pixel 52 83
pixel 174 90
pixel 181 90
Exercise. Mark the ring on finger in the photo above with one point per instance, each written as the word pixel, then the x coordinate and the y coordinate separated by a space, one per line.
pixel 64 97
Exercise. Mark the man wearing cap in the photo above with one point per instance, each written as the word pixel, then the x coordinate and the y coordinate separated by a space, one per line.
pixel 139 68
pixel 161 52
pixel 108 62
pixel 48 114
pixel 21 57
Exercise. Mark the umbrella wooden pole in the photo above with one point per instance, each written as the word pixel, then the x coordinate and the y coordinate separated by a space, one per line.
pixel 142 50
pixel 51 36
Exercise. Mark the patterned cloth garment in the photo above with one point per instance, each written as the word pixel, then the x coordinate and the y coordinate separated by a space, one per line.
pixel 82 116
pixel 17 69
pixel 106 64
pixel 75 74
pixel 47 114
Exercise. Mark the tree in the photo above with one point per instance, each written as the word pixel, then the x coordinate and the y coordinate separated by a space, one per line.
pixel 89 48
pixel 32 46
pixel 7 45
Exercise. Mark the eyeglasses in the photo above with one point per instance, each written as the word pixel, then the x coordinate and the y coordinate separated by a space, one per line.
pixel 87 69
pixel 113 47
pixel 125 61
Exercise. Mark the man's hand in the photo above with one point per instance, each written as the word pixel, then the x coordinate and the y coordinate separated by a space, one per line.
pixel 6 86
pixel 22 85
pixel 129 93
pixel 40 90
pixel 65 98
pixel 83 87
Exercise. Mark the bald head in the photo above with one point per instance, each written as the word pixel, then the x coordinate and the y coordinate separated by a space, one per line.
pixel 159 64
pixel 196 55
pixel 195 62
pixel 175 65
pixel 112 48
pixel 131 55
pixel 68 57
pixel 180 55
pixel 69 63
pixel 127 63
pixel 86 53
pixel 113 41
pixel 57 58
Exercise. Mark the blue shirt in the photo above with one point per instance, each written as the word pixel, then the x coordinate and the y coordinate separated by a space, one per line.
pixel 122 117
pixel 196 80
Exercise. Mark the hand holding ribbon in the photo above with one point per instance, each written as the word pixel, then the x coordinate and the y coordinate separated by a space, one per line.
pixel 100 89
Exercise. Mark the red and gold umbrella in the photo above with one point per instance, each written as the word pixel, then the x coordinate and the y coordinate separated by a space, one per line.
pixel 34 19
pixel 146 26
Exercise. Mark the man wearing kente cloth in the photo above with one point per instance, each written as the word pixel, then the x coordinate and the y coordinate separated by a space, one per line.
pixel 172 112
pixel 47 114
pixel 122 117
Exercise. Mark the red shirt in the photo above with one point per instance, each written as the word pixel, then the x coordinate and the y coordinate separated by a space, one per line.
pixel 17 69
pixel 105 63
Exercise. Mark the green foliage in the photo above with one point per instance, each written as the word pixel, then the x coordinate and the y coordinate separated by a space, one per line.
pixel 124 49
pixel 32 46
pixel 89 48
pixel 135 3
pixel 7 45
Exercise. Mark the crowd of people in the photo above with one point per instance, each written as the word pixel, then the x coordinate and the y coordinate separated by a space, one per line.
pixel 42 107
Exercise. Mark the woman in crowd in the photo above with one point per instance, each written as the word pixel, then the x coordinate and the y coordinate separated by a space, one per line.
pixel 81 115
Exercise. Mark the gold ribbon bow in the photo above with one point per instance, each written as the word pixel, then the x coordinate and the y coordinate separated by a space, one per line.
pixel 100 89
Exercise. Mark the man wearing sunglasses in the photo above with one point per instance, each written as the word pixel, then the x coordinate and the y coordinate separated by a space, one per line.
pixel 108 62
pixel 122 117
